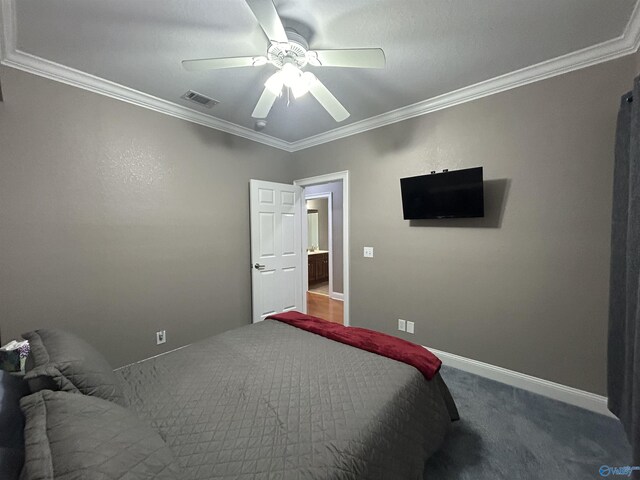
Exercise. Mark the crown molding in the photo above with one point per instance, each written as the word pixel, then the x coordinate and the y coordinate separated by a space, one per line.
pixel 12 57
pixel 60 73
pixel 625 44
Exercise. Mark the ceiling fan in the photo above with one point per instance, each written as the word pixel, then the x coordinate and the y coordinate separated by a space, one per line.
pixel 289 52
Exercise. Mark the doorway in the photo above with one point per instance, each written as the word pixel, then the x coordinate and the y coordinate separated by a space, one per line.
pixel 326 235
pixel 319 242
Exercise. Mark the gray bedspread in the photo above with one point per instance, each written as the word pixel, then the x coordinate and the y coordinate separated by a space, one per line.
pixel 271 401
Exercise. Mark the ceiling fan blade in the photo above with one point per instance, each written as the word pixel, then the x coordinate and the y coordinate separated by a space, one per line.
pixel 218 63
pixel 263 107
pixel 328 101
pixel 267 15
pixel 355 58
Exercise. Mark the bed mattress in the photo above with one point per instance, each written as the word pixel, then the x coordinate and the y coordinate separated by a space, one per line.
pixel 272 401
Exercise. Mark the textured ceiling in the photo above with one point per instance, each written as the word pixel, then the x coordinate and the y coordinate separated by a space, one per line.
pixel 432 47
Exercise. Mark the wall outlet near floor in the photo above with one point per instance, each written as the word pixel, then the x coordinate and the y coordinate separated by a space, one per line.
pixel 161 337
pixel 410 327
pixel 402 325
pixel 368 252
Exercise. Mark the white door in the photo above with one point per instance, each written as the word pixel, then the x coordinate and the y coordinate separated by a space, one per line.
pixel 276 248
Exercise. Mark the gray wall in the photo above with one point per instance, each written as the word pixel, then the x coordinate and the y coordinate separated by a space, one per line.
pixel 117 221
pixel 526 287
pixel 335 189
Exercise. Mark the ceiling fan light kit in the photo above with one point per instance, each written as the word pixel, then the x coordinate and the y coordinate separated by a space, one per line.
pixel 303 85
pixel 275 83
pixel 289 53
pixel 290 74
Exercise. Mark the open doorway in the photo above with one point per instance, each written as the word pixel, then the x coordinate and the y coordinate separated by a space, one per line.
pixel 319 243
pixel 322 299
pixel 325 235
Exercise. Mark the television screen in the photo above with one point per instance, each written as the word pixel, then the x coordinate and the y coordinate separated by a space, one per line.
pixel 457 194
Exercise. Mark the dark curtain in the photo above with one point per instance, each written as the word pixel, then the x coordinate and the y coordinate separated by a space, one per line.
pixel 624 307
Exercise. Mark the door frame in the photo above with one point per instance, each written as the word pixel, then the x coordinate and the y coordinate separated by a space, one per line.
pixel 305 240
pixel 327 178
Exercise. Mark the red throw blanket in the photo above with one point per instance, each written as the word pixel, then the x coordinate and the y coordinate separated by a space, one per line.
pixel 369 340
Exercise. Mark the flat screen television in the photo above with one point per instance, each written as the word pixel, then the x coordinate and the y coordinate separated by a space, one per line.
pixel 456 194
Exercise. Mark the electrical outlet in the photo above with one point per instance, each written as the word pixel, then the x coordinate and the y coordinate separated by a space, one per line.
pixel 409 327
pixel 161 337
pixel 401 325
pixel 368 252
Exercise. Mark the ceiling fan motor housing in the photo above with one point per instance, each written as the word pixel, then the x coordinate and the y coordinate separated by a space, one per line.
pixel 293 52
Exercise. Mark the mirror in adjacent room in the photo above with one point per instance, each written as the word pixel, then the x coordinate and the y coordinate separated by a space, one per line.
pixel 318 244
pixel 317 224
pixel 312 229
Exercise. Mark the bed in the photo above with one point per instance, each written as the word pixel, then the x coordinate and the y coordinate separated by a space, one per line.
pixel 272 401
pixel 264 401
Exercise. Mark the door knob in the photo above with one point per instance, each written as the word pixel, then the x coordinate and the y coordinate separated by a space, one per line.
pixel 257 266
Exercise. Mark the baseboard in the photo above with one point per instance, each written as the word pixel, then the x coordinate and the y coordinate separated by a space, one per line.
pixel 557 391
pixel 337 296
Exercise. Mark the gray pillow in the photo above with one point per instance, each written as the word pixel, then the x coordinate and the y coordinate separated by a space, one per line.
pixel 77 437
pixel 61 361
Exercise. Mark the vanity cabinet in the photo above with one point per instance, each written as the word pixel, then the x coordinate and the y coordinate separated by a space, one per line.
pixel 318 266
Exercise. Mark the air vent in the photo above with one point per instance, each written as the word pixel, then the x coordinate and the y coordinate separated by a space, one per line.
pixel 200 99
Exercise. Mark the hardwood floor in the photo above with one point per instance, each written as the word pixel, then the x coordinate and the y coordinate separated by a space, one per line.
pixel 324 307
pixel 322 287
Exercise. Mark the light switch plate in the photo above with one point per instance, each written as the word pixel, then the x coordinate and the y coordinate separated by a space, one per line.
pixel 410 327
pixel 368 252
pixel 401 325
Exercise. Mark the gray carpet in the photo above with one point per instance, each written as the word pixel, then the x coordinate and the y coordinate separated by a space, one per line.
pixel 505 432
